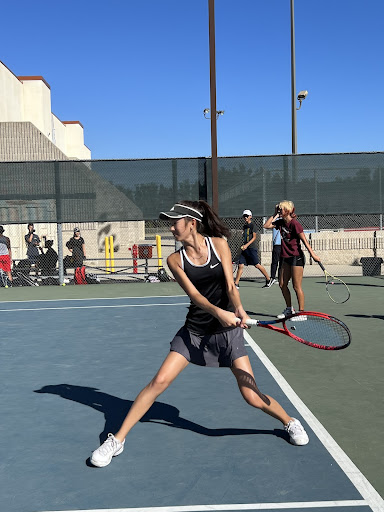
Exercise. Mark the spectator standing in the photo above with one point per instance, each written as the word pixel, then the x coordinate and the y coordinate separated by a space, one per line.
pixel 33 241
pixel 76 246
pixel 276 252
pixel 5 254
pixel 292 257
pixel 249 255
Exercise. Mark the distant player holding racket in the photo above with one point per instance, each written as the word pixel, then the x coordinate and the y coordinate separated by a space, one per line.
pixel 213 331
pixel 292 257
pixel 249 255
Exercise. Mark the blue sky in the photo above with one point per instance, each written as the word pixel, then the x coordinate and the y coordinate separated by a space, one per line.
pixel 135 73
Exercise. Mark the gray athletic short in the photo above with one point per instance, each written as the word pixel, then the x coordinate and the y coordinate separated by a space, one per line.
pixel 216 350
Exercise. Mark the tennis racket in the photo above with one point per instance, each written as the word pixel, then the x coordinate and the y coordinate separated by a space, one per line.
pixel 317 330
pixel 337 290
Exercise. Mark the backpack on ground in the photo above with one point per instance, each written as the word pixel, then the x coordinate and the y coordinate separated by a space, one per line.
pixel 92 279
pixel 163 276
pixel 80 277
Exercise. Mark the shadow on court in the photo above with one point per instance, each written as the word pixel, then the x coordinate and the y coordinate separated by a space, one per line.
pixel 115 410
pixel 379 317
pixel 257 314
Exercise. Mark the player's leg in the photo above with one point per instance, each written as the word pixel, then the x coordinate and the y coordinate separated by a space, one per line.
pixel 242 370
pixel 278 257
pixel 297 279
pixel 285 276
pixel 275 260
pixel 172 366
pixel 263 271
pixel 7 267
pixel 253 259
pixel 240 270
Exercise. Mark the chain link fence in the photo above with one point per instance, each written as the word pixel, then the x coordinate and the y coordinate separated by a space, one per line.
pixel 338 199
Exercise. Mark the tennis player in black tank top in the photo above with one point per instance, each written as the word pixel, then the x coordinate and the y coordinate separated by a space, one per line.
pixel 212 334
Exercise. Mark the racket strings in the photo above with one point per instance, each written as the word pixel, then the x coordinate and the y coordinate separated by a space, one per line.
pixel 319 331
pixel 337 290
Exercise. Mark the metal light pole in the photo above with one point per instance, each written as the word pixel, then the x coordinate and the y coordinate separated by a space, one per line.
pixel 293 80
pixel 212 67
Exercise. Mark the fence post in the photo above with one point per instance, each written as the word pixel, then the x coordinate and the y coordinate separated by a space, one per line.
pixel 158 249
pixel 134 256
pixel 107 255
pixel 112 253
pixel 60 252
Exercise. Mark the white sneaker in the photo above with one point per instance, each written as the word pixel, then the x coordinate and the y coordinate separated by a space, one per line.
pixel 286 312
pixel 297 434
pixel 110 448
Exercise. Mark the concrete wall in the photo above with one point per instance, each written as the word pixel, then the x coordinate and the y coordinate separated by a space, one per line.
pixel 334 247
pixel 26 99
pixel 11 97
pixel 37 104
pixel 74 138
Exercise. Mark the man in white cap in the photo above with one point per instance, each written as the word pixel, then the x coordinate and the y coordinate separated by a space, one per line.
pixel 249 255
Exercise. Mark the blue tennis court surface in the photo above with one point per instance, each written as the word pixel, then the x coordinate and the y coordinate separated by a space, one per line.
pixel 72 368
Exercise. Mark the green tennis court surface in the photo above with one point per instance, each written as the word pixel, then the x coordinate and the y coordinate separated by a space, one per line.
pixel 73 364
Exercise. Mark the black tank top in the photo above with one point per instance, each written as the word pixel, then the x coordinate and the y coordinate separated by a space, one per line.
pixel 210 281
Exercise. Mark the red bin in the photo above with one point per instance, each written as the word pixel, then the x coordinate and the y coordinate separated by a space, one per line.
pixel 145 251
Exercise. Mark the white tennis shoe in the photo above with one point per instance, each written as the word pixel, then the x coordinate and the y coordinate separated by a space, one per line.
pixel 297 434
pixel 110 448
pixel 286 312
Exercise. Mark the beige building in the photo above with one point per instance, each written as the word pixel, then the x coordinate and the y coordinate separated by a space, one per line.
pixel 30 132
pixel 26 117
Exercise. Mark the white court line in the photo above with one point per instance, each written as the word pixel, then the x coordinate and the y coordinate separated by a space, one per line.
pixel 92 298
pixel 99 307
pixel 367 491
pixel 240 506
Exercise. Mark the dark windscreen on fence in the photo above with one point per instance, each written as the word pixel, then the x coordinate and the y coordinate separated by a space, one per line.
pixel 122 190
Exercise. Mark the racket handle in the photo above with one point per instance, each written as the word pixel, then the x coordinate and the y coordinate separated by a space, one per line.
pixel 250 321
pixel 321 266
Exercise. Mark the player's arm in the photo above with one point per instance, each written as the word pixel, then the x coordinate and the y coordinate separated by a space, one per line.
pixel 303 238
pixel 224 253
pixel 226 318
pixel 273 218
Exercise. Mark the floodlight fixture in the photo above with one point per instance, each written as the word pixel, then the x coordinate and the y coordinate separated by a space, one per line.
pixel 218 113
pixel 301 97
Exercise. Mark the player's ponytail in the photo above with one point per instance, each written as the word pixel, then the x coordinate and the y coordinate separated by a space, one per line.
pixel 210 224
